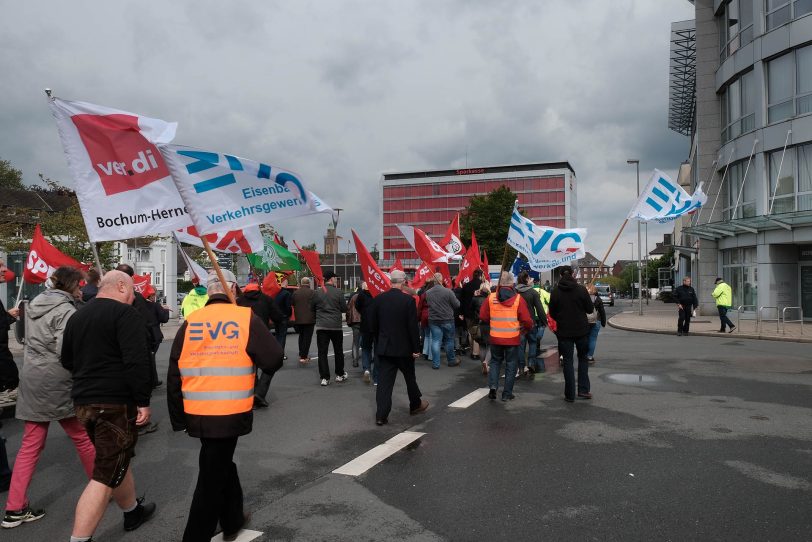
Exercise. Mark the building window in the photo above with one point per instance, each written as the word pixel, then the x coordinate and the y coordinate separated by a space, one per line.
pixel 735 26
pixel 156 278
pixel 789 85
pixel 793 190
pixel 738 107
pixel 740 271
pixel 749 190
pixel 780 12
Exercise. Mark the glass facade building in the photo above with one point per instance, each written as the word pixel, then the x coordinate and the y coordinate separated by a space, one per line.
pixel 750 126
pixel 430 199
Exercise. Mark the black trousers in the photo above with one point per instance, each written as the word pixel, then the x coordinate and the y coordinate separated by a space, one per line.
pixel 566 348
pixel 218 494
pixel 9 374
pixel 281 334
pixel 684 320
pixel 388 368
pixel 323 339
pixel 305 332
pixel 262 384
pixel 725 321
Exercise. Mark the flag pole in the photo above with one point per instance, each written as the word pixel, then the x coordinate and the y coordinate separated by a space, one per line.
pixel 217 270
pixel 19 292
pixel 96 257
pixel 603 261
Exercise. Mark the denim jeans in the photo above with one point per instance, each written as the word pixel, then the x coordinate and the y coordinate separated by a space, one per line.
pixel 356 341
pixel 528 351
pixel 566 346
pixel 442 330
pixel 510 355
pixel 369 360
pixel 594 329
pixel 725 321
pixel 426 332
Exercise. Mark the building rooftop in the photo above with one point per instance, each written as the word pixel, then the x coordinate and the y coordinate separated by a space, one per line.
pixel 478 170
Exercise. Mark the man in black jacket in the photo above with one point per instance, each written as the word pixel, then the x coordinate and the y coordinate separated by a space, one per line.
pixel 471 317
pixel 569 305
pixel 209 393
pixel 105 349
pixel 268 311
pixel 687 302
pixel 393 320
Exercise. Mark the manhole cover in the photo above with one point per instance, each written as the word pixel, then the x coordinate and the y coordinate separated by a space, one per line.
pixel 628 378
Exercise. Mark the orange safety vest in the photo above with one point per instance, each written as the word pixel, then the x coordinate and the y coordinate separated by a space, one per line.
pixel 504 320
pixel 217 375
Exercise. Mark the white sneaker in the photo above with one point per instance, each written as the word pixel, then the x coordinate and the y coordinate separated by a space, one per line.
pixel 366 377
pixel 324 381
pixel 342 378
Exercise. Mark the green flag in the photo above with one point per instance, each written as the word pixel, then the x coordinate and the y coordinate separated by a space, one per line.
pixel 274 257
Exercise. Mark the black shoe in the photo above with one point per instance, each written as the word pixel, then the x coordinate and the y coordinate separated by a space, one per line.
pixel 721 331
pixel 569 399
pixel 230 537
pixel 259 402
pixel 510 397
pixel 731 329
pixel 584 395
pixel 381 421
pixel 139 516
pixel 679 333
pixel 492 395
pixel 158 384
pixel 685 333
pixel 354 363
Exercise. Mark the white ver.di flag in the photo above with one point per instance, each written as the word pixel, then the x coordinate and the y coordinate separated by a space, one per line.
pixel 545 247
pixel 664 200
pixel 124 187
pixel 225 192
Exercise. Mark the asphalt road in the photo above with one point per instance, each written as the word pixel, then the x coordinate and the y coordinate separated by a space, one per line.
pixel 687 438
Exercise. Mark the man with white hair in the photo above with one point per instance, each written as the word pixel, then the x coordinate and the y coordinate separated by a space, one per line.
pixel 442 303
pixel 394 324
pixel 105 348
pixel 509 316
pixel 210 393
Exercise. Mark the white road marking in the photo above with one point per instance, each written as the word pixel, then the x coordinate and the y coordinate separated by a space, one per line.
pixel 246 535
pixel 470 399
pixel 367 460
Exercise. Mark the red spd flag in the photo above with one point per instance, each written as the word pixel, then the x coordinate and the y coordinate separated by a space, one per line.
pixel 470 263
pixel 245 241
pixel 485 268
pixel 376 281
pixel 44 258
pixel 451 242
pixel 312 260
pixel 141 283
pixel 397 266
pixel 421 276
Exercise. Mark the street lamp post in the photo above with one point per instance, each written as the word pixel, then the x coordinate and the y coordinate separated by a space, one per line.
pixel 632 259
pixel 639 247
pixel 335 238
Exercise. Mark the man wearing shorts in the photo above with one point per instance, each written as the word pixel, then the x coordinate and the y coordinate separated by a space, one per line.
pixel 105 349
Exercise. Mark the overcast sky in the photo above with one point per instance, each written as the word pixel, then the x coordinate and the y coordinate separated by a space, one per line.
pixel 343 91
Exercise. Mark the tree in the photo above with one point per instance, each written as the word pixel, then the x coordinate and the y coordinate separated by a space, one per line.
pixel 64 228
pixel 489 216
pixel 10 177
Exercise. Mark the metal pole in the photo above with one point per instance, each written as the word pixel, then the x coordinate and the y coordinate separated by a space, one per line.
pixel 639 247
pixel 335 237
pixel 647 296
pixel 744 180
pixel 778 177
pixel 632 260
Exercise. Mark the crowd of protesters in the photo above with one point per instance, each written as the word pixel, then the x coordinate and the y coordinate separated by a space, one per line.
pixel 89 363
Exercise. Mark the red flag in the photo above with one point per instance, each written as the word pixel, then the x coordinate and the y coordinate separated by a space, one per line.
pixel 485 267
pixel 142 282
pixel 398 265
pixel 421 275
pixel 442 268
pixel 312 259
pixel 44 258
pixel 376 281
pixel 270 286
pixel 470 263
pixel 451 242
pixel 428 251
pixel 245 241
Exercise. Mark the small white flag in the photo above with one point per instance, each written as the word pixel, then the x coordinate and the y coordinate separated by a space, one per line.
pixel 664 200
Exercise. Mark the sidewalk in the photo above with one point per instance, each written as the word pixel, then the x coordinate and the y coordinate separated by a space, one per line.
pixel 661 317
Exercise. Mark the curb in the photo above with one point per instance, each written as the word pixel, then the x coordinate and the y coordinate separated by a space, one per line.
pixel 712 334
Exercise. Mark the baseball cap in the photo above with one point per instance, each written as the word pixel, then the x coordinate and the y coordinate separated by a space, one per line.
pixel 227 275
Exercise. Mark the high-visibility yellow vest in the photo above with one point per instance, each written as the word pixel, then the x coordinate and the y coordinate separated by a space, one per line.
pixel 217 375
pixel 504 320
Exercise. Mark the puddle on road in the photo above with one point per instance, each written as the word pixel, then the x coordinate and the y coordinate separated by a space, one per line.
pixel 628 378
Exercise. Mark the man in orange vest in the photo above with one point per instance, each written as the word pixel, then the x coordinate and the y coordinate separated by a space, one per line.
pixel 210 394
pixel 508 316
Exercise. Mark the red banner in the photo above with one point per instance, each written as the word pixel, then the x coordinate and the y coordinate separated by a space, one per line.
pixel 485 264
pixel 398 265
pixel 376 281
pixel 270 286
pixel 421 275
pixel 312 259
pixel 470 263
pixel 451 242
pixel 141 283
pixel 44 258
